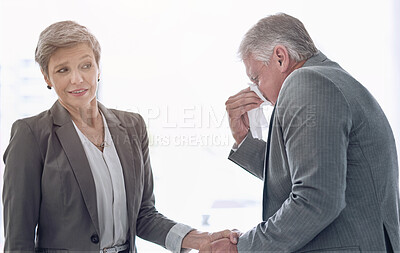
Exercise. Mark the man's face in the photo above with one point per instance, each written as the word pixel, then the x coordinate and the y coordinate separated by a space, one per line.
pixel 268 77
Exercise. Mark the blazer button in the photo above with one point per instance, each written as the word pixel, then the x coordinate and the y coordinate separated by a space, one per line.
pixel 95 239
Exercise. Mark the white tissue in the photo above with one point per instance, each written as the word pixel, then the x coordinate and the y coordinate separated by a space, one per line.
pixel 257 120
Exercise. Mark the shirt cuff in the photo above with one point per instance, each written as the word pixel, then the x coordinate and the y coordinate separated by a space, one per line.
pixel 173 241
pixel 236 147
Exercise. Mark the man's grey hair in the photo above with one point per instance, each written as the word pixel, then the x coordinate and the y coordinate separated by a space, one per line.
pixel 279 29
pixel 61 35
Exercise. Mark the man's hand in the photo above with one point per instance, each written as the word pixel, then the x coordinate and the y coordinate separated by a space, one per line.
pixel 198 240
pixel 220 246
pixel 237 107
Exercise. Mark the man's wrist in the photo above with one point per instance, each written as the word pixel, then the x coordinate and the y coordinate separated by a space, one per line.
pixel 236 146
pixel 194 239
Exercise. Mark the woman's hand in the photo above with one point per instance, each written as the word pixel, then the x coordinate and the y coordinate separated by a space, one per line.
pixel 202 240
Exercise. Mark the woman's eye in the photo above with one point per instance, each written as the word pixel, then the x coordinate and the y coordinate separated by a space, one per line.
pixel 62 70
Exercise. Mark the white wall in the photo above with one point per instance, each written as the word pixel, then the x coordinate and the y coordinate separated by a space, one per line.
pixel 175 62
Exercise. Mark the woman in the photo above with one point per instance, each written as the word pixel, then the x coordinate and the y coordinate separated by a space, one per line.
pixel 78 176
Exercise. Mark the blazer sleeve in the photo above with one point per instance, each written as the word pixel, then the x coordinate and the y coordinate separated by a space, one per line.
pixel 21 189
pixel 250 156
pixel 315 121
pixel 151 225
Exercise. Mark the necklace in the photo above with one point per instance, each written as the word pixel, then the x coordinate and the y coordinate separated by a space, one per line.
pixel 101 145
pixel 91 134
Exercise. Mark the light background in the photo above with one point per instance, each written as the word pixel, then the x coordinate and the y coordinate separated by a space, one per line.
pixel 175 63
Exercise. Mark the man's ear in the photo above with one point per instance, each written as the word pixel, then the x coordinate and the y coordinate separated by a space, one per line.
pixel 281 58
pixel 46 78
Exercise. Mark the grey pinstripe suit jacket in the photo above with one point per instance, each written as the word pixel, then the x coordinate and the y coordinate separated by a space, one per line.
pixel 331 183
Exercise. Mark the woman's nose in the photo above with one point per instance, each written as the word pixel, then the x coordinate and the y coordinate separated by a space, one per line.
pixel 76 77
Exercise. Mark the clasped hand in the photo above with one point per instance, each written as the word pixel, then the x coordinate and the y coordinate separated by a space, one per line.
pixel 223 241
pixel 222 245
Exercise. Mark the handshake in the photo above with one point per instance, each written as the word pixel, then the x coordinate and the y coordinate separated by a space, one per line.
pixel 217 242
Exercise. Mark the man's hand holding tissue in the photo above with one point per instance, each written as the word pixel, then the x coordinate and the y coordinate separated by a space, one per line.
pixel 237 107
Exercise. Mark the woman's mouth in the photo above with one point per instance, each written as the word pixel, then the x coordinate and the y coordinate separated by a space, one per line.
pixel 79 92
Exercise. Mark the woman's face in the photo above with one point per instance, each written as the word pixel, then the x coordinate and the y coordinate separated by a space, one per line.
pixel 73 73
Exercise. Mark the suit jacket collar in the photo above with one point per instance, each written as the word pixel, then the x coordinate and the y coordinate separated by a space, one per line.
pixel 61 116
pixel 315 60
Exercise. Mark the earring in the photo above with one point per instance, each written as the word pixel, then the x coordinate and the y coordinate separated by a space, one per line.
pixel 98 80
pixel 49 87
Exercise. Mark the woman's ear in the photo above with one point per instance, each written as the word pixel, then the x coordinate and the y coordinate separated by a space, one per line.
pixel 46 78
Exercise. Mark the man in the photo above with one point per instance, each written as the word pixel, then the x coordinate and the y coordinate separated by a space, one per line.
pixel 329 167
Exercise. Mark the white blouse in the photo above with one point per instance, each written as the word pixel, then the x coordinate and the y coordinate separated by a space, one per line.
pixel 110 189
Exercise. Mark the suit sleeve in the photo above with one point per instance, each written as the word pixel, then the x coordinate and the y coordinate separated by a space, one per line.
pixel 314 119
pixel 21 189
pixel 250 156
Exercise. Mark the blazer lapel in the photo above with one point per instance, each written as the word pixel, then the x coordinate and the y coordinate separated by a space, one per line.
pixel 271 124
pixel 126 156
pixel 75 153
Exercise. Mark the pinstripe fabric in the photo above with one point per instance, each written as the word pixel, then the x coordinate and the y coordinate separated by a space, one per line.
pixel 332 177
